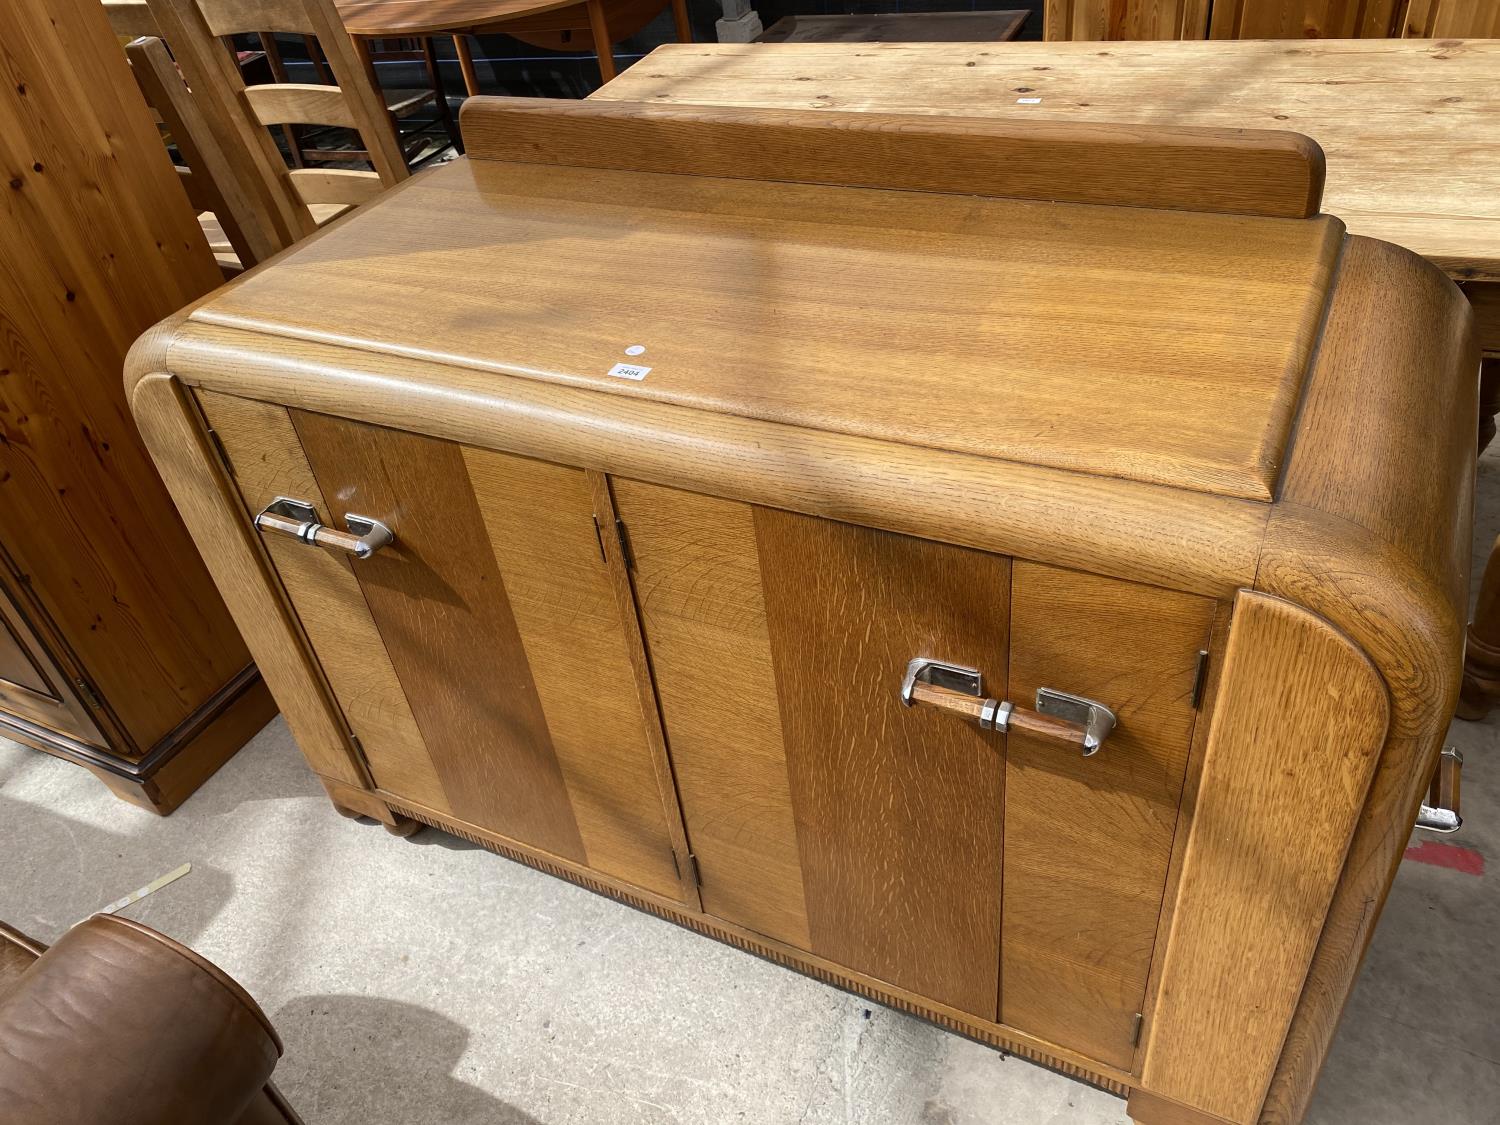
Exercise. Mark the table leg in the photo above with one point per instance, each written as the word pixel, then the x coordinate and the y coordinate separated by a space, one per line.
pixel 1489 400
pixel 1481 683
pixel 466 64
pixel 602 44
pixel 680 18
pixel 445 114
pixel 1481 686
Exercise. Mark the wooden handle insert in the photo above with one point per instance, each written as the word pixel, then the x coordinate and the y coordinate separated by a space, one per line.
pixel 1019 720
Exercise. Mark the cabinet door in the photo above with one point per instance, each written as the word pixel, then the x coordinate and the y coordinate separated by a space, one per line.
pixel 1088 840
pixel 481 659
pixel 32 688
pixel 822 812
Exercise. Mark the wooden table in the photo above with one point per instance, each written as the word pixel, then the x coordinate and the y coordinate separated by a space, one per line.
pixel 546 23
pixel 1411 129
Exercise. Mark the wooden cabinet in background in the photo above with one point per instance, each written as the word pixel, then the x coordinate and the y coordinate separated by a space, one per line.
pixel 116 651
pixel 1004 593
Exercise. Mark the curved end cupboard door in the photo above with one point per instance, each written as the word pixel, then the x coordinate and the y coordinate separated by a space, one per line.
pixel 1006 875
pixel 481 657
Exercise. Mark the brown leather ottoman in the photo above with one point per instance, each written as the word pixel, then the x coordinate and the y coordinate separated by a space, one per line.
pixel 119 1024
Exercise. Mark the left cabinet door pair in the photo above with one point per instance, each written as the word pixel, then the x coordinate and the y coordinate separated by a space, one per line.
pixel 482 659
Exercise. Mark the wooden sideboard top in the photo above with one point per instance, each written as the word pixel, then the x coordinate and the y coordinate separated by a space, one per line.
pixel 979 326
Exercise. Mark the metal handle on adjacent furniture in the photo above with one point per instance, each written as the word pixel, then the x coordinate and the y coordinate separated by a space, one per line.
pixel 299 519
pixel 1081 722
pixel 1439 813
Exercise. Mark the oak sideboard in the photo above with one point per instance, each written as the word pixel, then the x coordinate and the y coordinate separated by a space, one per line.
pixel 1015 573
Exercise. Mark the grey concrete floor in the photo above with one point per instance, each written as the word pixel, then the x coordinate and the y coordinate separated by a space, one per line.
pixel 426 980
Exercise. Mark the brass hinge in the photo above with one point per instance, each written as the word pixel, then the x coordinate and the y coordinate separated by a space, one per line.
pixel 87 693
pixel 1200 678
pixel 1140 1022
pixel 692 868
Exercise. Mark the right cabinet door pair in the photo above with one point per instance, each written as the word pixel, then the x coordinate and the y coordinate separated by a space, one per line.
pixel 1007 877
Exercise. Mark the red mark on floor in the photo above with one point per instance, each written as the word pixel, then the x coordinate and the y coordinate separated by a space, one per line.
pixel 1451 856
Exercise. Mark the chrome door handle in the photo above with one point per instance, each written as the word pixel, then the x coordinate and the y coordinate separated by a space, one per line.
pixel 1081 722
pixel 299 519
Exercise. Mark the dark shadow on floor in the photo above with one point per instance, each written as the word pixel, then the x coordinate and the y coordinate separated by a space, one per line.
pixel 356 1059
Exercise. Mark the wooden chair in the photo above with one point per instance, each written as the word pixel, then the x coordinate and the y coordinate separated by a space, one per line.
pixel 241 115
pixel 239 232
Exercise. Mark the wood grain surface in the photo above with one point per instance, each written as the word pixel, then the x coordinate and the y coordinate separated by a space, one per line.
pixel 1299 748
pixel 1088 840
pixel 1441 19
pixel 888 27
pixel 173 429
pixel 540 523
pixel 1386 560
pixel 1306 19
pixel 267 461
pixel 1249 172
pixel 1410 128
pixel 697 585
pixel 439 602
pixel 952 343
pixel 898 809
pixel 1124 19
pixel 1191 541
pixel 97 243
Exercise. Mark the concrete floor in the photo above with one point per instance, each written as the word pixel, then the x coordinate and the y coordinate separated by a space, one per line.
pixel 426 980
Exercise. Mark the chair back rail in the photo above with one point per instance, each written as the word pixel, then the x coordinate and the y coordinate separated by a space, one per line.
pixel 214 177
pixel 240 114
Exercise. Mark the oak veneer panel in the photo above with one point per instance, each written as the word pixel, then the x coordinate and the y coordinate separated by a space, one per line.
pixel 958 339
pixel 898 809
pixel 540 519
pixel 697 586
pixel 1300 721
pixel 1237 171
pixel 1088 840
pixel 267 461
pixel 32 687
pixel 441 606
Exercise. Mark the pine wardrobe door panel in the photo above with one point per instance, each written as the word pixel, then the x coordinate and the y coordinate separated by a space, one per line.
pixel 267 461
pixel 898 809
pixel 32 688
pixel 541 524
pixel 438 599
pixel 697 588
pixel 1088 840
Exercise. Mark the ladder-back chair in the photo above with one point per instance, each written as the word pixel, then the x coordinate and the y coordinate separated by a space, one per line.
pixel 244 113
